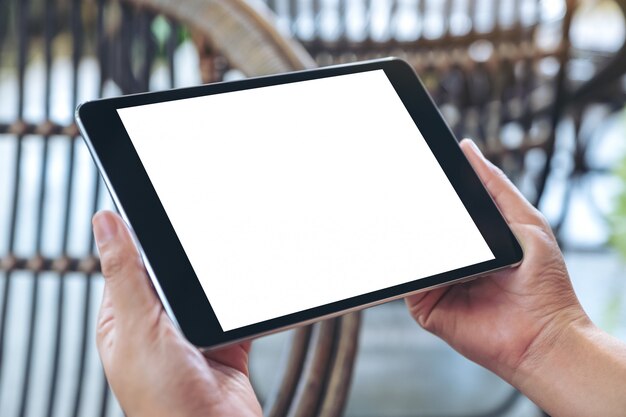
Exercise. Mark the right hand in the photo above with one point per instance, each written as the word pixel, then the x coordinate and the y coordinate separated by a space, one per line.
pixel 511 318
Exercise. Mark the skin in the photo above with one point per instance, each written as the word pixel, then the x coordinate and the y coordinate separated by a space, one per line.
pixel 510 317
pixel 525 324
pixel 152 369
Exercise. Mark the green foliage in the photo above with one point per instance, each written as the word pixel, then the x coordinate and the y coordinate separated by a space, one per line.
pixel 617 218
pixel 162 28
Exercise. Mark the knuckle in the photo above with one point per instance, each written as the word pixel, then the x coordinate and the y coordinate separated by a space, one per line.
pixel 542 221
pixel 113 262
pixel 499 172
pixel 118 261
pixel 104 330
pixel 101 334
pixel 540 237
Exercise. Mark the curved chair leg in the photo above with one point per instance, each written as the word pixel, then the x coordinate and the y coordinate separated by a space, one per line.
pixel 340 375
pixel 282 395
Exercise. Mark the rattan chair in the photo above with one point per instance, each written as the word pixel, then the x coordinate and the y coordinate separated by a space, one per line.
pixel 49 272
pixel 496 83
pixel 501 71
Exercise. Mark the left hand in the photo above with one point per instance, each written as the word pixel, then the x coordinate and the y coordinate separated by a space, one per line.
pixel 152 369
pixel 508 320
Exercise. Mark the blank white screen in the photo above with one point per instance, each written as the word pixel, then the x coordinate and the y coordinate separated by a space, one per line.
pixel 293 196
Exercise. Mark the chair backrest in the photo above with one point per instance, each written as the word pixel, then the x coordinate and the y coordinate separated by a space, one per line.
pixel 53 56
pixel 498 69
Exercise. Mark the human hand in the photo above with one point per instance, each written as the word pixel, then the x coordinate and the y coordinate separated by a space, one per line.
pixel 513 317
pixel 152 369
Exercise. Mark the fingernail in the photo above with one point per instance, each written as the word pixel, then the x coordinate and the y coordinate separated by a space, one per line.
pixel 104 228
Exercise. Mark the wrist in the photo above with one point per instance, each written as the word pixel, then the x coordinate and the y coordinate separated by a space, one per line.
pixel 542 355
pixel 576 369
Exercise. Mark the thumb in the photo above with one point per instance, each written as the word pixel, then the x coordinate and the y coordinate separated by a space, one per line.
pixel 128 288
pixel 514 206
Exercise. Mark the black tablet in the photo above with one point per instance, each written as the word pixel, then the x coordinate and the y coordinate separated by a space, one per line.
pixel 270 202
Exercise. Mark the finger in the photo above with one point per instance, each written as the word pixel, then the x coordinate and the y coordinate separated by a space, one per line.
pixel 127 284
pixel 233 356
pixel 422 304
pixel 514 206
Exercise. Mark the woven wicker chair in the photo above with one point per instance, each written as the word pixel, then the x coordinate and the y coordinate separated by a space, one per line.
pixel 490 83
pixel 49 272
pixel 499 70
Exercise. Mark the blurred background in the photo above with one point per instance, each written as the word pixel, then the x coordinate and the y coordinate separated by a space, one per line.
pixel 539 84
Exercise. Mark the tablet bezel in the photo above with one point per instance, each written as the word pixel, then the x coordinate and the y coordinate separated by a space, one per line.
pixel 165 259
